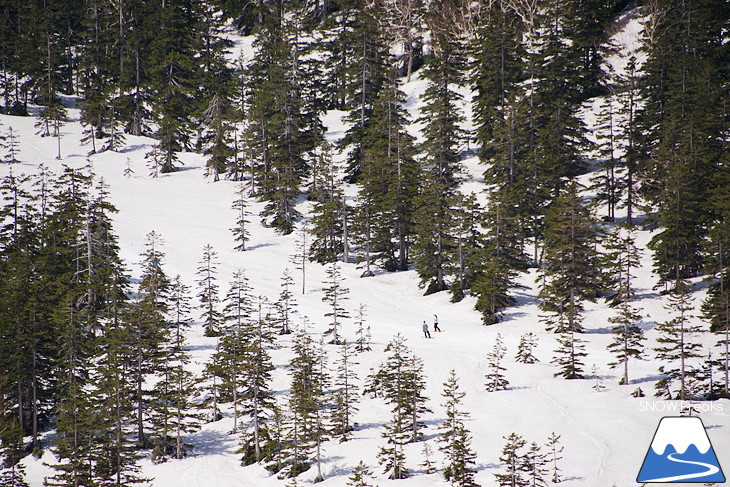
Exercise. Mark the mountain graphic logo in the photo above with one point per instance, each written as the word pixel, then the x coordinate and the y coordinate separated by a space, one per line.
pixel 681 452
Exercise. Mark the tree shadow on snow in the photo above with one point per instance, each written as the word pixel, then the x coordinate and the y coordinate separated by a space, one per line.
pixel 209 442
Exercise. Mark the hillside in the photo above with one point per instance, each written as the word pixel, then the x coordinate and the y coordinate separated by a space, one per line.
pixel 605 431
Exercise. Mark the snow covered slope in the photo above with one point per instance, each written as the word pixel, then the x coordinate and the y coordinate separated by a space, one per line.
pixel 605 431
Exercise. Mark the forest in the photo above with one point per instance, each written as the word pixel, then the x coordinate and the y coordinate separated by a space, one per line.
pixel 101 358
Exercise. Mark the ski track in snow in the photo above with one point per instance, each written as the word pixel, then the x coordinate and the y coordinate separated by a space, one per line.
pixel 711 470
pixel 580 427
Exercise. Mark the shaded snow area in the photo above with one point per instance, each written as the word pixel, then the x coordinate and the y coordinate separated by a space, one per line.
pixel 605 431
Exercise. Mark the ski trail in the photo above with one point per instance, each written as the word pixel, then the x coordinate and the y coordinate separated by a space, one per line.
pixel 601 444
pixel 711 470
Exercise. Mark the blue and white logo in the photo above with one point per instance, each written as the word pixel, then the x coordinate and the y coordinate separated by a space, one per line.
pixel 681 452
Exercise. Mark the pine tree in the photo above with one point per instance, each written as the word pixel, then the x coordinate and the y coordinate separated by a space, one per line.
pixel 148 318
pixel 345 395
pixel 256 394
pixel 527 344
pixel 362 342
pixel 11 147
pixel 217 122
pixel 536 466
pixel 327 213
pixel 512 458
pixel 428 464
pixel 675 346
pixel 173 410
pixel 554 449
pixel 208 291
pixel 400 380
pixel 495 378
pixel 334 295
pixel 240 205
pixel 443 134
pixel 301 255
pixel 360 476
pixel 455 438
pixel 286 305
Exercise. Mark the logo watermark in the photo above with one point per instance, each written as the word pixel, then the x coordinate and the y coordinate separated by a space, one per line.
pixel 679 406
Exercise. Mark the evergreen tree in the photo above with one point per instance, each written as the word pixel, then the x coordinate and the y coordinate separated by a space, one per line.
pixel 362 342
pixel 400 381
pixel 455 438
pixel 527 344
pixel 257 396
pixel 554 449
pixel 286 305
pixel 172 409
pixel 327 213
pixel 624 257
pixel 428 464
pixel 512 458
pixel 148 318
pixel 535 463
pixel 495 378
pixel 675 346
pixel 360 476
pixel 334 295
pixel 208 291
pixel 443 135
pixel 301 255
pixel 345 395
pixel 240 232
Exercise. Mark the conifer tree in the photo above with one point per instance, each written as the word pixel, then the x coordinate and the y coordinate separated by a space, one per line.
pixel 208 291
pixel 286 305
pixel 148 317
pixel 11 147
pixel 554 449
pixel 624 256
pixel 334 295
pixel 240 205
pixel 362 342
pixel 327 213
pixel 256 394
pixel 428 464
pixel 360 476
pixel 495 378
pixel 675 346
pixel 512 458
pixel 536 466
pixel 455 438
pixel 443 135
pixel 301 254
pixel 173 411
pixel 527 344
pixel 345 395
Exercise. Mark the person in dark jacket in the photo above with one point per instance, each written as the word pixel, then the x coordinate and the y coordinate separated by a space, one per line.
pixel 426 333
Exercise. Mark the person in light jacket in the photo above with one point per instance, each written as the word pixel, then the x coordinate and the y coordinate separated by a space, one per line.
pixel 426 333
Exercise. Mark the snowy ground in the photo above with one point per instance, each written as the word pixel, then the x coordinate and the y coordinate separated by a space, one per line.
pixel 606 434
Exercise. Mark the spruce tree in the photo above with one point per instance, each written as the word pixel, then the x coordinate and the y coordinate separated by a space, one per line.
pixel 334 295
pixel 527 344
pixel 512 458
pixel 240 205
pixel 536 466
pixel 360 476
pixel 675 347
pixel 208 291
pixel 257 396
pixel 362 342
pixel 554 449
pixel 345 395
pixel 455 437
pixel 495 378
pixel 286 305
pixel 327 213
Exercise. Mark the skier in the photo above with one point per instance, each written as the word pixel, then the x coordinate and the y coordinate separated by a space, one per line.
pixel 426 333
pixel 436 323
